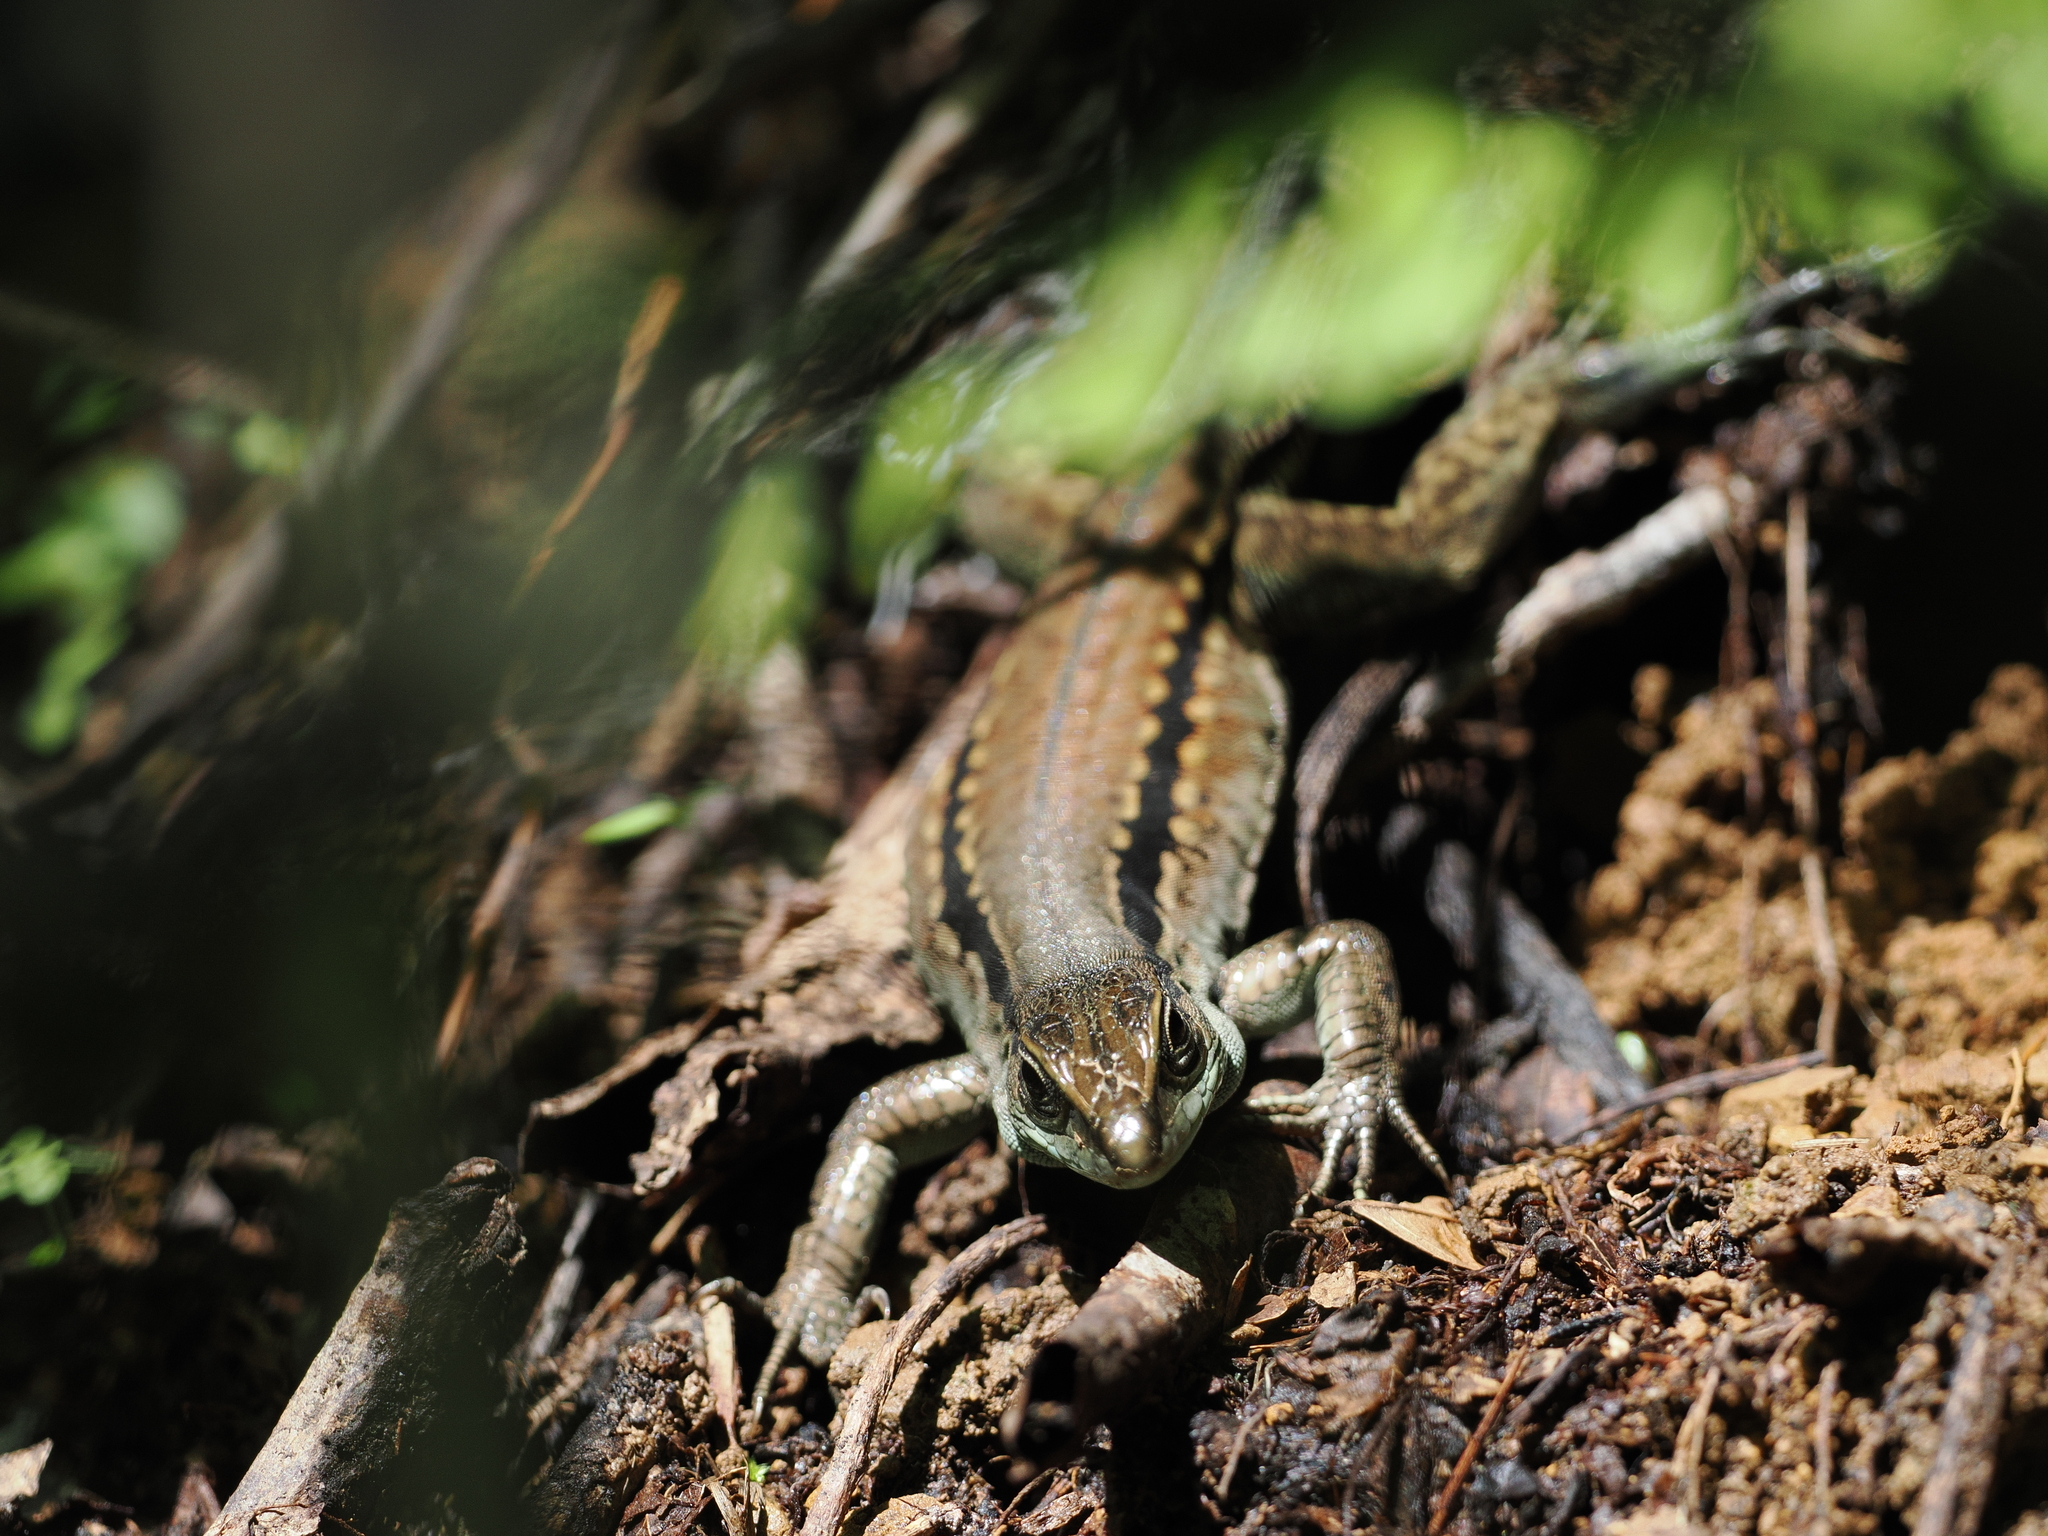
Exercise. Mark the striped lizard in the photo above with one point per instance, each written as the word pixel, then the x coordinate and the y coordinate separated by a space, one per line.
pixel 1082 868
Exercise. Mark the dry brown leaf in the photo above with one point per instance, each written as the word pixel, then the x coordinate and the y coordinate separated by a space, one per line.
pixel 1429 1224
pixel 1335 1289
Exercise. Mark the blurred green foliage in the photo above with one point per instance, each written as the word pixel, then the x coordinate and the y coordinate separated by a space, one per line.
pixel 108 522
pixel 635 821
pixel 1862 124
pixel 34 1168
pixel 266 445
pixel 771 553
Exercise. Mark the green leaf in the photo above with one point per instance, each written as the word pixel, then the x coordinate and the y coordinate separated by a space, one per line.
pixel 97 406
pixel 770 557
pixel 264 445
pixel 49 1251
pixel 642 820
pixel 33 1167
pixel 114 519
pixel 1635 1050
pixel 925 433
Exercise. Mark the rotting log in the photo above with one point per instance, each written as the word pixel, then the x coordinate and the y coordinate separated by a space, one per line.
pixel 651 1399
pixel 433 1302
pixel 1163 1298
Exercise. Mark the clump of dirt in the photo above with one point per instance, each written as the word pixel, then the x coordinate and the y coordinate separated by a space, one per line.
pixel 1663 1339
pixel 1939 905
pixel 1666 921
pixel 1946 881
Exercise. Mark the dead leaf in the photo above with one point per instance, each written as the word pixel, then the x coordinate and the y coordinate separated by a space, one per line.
pixel 21 1472
pixel 1429 1224
pixel 1269 1312
pixel 1335 1289
pixel 915 1514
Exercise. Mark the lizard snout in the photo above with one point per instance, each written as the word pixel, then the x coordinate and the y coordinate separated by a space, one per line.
pixel 1133 1141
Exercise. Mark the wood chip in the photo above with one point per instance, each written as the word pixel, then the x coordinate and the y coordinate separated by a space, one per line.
pixel 1429 1225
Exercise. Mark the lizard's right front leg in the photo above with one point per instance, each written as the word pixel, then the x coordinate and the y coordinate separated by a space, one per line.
pixel 909 1117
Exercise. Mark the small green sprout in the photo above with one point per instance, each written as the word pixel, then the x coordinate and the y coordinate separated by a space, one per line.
pixel 636 821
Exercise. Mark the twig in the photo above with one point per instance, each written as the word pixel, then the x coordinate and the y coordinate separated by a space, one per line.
pixel 1692 1438
pixel 835 1495
pixel 946 123
pixel 188 379
pixel 537 165
pixel 1824 1449
pixel 1454 1485
pixel 1586 588
pixel 1592 586
pixel 552 1315
pixel 506 880
pixel 1555 1383
pixel 721 1358
pixel 1161 1301
pixel 1701 1083
pixel 1830 964
pixel 1806 791
pixel 657 309
pixel 1952 1498
pixel 435 1290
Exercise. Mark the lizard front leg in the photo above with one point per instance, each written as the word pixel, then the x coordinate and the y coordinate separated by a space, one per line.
pixel 909 1117
pixel 1341 972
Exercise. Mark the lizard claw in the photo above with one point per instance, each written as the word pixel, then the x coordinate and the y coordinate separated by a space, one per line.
pixel 1349 1114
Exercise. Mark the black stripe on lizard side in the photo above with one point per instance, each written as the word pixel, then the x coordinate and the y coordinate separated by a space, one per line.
pixel 1138 874
pixel 961 912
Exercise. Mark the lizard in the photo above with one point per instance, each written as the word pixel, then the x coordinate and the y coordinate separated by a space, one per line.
pixel 1081 869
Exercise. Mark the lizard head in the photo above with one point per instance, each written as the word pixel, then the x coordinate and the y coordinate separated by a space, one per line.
pixel 1112 1072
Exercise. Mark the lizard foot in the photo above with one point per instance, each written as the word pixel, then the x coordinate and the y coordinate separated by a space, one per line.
pixel 814 1319
pixel 1349 1115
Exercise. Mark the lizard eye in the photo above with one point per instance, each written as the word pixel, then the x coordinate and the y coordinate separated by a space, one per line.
pixel 1040 1094
pixel 1180 1046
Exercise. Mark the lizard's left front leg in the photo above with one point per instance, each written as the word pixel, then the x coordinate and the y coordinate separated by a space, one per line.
pixel 1343 972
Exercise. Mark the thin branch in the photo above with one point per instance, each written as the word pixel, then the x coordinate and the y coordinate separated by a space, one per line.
pixel 657 309
pixel 834 1498
pixel 536 168
pixel 1824 1449
pixel 1806 791
pixel 1454 1485
pixel 1586 588
pixel 1703 1083
pixel 1592 586
pixel 1952 1498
